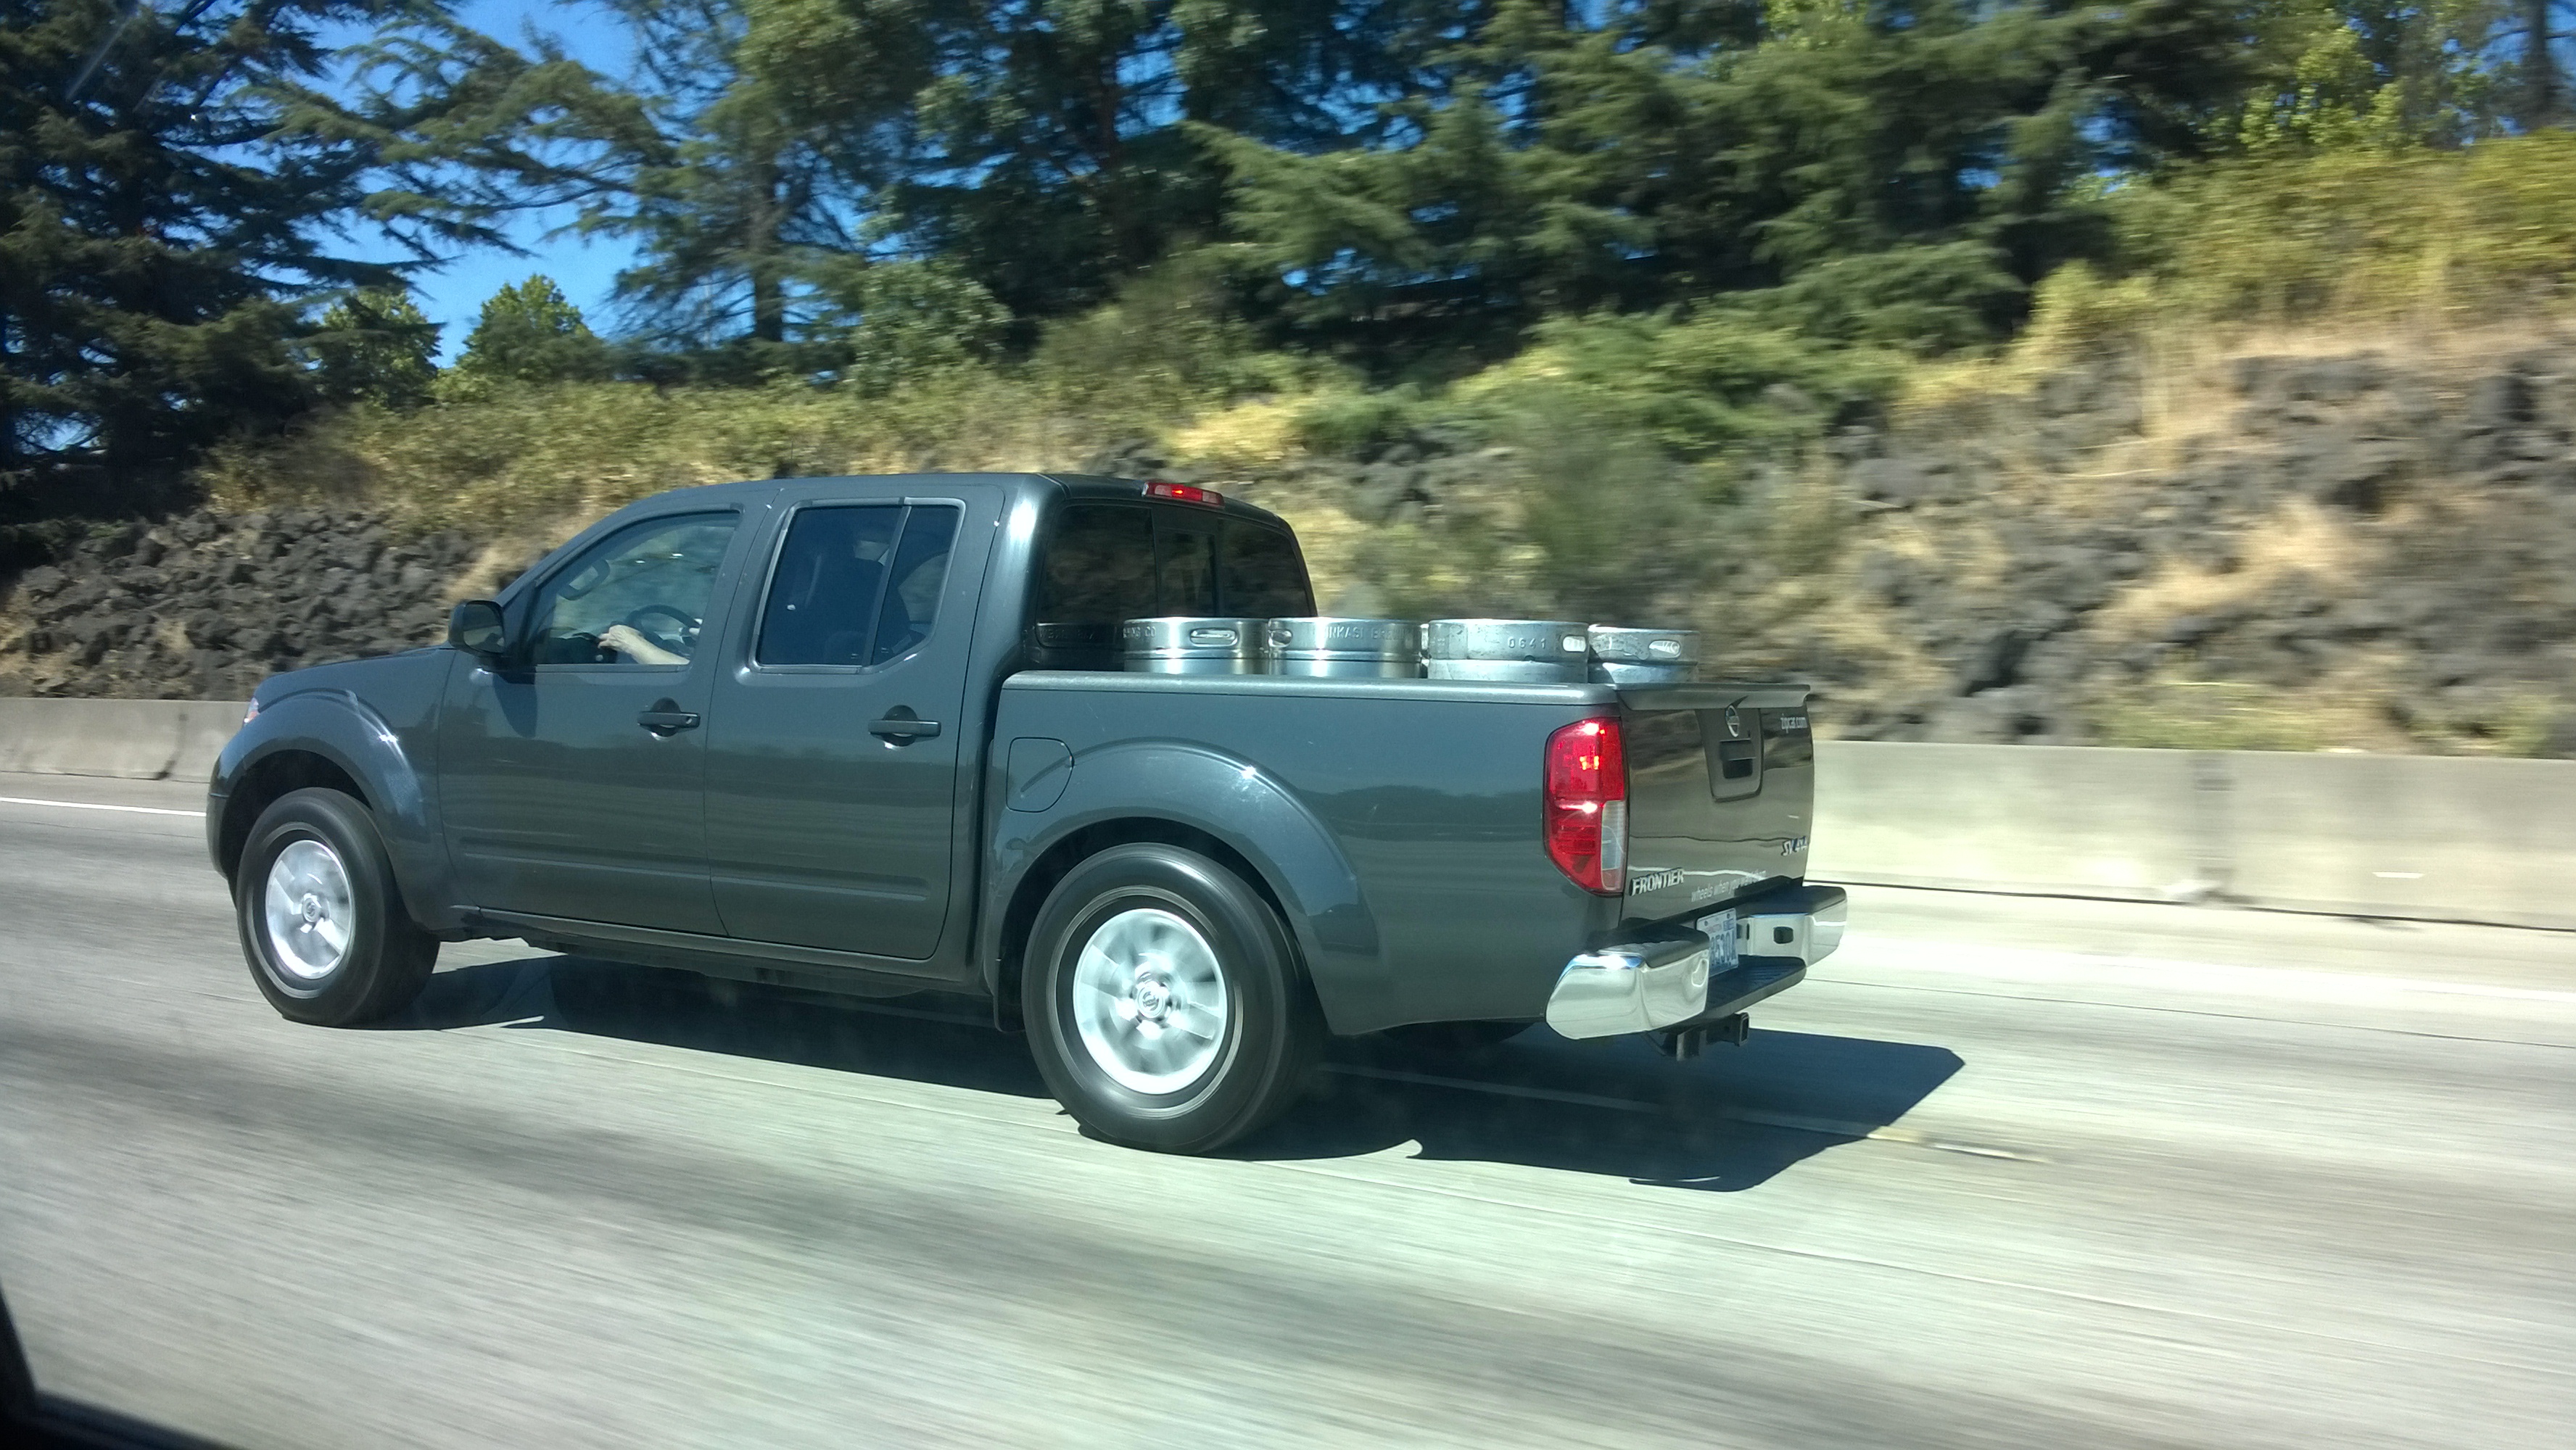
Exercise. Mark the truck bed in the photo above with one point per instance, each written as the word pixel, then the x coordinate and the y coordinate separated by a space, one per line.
pixel 1399 821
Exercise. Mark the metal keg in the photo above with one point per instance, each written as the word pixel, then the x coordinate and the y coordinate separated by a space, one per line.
pixel 1327 647
pixel 1064 646
pixel 1189 645
pixel 1531 651
pixel 1626 656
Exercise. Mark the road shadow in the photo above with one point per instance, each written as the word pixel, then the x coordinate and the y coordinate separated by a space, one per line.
pixel 1725 1122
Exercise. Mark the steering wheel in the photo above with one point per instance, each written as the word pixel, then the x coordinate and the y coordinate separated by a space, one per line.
pixel 678 642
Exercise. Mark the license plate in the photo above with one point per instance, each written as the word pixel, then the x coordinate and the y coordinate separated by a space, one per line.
pixel 1720 927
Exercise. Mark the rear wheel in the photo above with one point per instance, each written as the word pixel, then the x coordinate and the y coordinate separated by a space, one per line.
pixel 1164 1002
pixel 322 922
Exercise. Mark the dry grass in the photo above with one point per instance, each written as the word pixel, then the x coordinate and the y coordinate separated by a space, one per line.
pixel 501 466
pixel 2299 538
pixel 1254 439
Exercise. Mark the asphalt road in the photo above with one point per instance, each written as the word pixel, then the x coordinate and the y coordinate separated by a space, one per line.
pixel 2004 1172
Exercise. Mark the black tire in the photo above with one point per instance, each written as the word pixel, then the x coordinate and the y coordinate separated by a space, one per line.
pixel 1454 1039
pixel 1271 1029
pixel 385 957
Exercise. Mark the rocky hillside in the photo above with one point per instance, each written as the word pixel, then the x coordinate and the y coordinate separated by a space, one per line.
pixel 2357 551
pixel 2315 548
pixel 206 606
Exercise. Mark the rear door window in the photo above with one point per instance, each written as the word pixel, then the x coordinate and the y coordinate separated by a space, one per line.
pixel 912 590
pixel 856 584
pixel 822 606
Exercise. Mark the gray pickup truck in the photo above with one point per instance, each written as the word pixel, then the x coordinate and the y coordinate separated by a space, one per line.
pixel 858 735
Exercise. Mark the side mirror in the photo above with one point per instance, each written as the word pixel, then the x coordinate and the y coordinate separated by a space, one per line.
pixel 475 627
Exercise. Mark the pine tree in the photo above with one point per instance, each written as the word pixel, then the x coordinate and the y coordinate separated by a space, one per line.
pixel 375 347
pixel 171 186
pixel 729 190
pixel 530 333
pixel 1047 150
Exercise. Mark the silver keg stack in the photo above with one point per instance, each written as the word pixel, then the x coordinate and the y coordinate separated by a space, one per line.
pixel 1524 651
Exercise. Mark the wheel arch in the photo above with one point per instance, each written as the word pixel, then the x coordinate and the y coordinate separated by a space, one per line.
pixel 263 782
pixel 1265 836
pixel 332 740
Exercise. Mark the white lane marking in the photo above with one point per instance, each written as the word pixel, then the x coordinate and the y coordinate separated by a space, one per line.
pixel 2106 969
pixel 21 800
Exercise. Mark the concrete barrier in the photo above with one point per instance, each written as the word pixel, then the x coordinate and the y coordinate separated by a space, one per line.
pixel 2419 837
pixel 2371 835
pixel 2079 822
pixel 2408 836
pixel 131 739
pixel 205 727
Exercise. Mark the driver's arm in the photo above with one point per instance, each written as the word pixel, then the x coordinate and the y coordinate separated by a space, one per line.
pixel 630 642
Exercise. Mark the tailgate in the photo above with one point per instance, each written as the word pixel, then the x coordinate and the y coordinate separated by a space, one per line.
pixel 1721 791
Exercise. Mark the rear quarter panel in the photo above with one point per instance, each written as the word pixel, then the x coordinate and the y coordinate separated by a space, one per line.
pixel 1397 822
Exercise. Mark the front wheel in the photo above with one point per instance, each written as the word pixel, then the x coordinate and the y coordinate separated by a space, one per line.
pixel 1164 1001
pixel 322 922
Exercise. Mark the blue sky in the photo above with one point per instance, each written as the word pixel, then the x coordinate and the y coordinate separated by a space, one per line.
pixel 454 293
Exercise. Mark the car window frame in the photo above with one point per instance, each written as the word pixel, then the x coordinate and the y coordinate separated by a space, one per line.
pixel 532 625
pixel 757 612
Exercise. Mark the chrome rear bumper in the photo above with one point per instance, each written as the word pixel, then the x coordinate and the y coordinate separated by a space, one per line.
pixel 1661 978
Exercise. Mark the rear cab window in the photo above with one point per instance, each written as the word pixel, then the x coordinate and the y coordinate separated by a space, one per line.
pixel 1102 563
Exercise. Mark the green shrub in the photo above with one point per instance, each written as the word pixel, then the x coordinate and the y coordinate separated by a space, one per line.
pixel 1172 340
pixel 909 321
pixel 2344 234
pixel 1352 424
pixel 1693 386
pixel 375 347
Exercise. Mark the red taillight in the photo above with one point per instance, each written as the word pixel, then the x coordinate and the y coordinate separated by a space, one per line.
pixel 1183 493
pixel 1587 805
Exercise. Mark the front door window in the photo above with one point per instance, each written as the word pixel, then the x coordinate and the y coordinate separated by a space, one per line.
pixel 637 597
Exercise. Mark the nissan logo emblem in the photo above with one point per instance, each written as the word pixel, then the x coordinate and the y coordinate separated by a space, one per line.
pixel 1734 724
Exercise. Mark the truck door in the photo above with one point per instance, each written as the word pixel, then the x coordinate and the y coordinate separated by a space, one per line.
pixel 573 782
pixel 837 730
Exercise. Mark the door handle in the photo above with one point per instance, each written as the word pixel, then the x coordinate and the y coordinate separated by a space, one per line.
pixel 666 718
pixel 903 727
